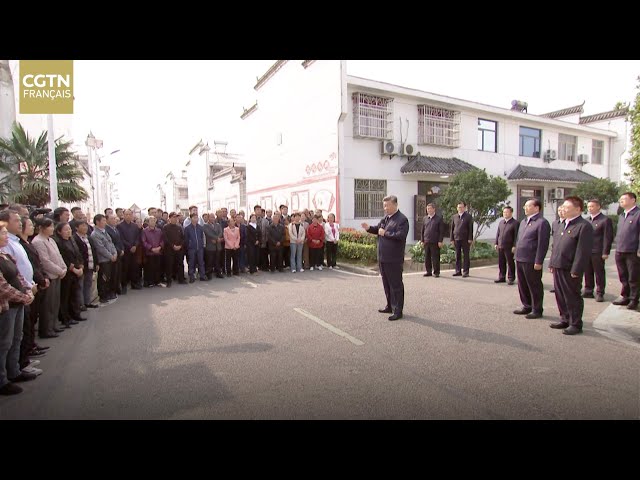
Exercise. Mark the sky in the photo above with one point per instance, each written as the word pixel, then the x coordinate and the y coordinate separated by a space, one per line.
pixel 154 112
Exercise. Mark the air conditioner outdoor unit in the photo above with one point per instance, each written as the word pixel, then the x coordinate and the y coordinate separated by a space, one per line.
pixel 550 155
pixel 583 158
pixel 409 149
pixel 389 148
pixel 557 193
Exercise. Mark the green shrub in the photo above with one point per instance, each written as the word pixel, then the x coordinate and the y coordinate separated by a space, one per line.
pixel 357 251
pixel 357 236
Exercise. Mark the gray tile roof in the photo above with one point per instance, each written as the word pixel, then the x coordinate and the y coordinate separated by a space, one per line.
pixel 435 165
pixel 604 115
pixel 522 172
pixel 564 112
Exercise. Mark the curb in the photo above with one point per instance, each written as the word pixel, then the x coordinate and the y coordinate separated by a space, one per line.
pixel 619 324
pixel 356 269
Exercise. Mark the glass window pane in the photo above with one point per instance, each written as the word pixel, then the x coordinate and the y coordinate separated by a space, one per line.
pixel 479 139
pixel 489 141
pixel 487 124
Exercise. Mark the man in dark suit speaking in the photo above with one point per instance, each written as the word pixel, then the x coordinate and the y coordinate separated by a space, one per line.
pixel 392 234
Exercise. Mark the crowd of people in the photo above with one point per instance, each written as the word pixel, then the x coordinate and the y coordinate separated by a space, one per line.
pixel 49 262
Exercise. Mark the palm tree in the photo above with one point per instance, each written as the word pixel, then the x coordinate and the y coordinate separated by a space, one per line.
pixel 24 161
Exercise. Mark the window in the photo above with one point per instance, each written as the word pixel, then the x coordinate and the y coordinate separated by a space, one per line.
pixel 438 126
pixel 183 192
pixel 530 142
pixel 368 198
pixel 567 146
pixel 372 116
pixel 597 152
pixel 487 135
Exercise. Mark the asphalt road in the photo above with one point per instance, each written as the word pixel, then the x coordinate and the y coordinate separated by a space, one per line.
pixel 313 346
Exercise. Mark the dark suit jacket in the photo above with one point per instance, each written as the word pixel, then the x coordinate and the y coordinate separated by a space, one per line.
pixel 462 228
pixel 391 245
pixel 507 233
pixel 602 234
pixel 114 233
pixel 572 246
pixel 628 232
pixel 533 240
pixel 433 230
pixel 84 251
pixel 254 234
pixel 70 253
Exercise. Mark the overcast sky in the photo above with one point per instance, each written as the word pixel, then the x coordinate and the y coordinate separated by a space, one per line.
pixel 154 112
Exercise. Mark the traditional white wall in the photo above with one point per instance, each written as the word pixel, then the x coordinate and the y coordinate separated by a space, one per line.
pixel 294 138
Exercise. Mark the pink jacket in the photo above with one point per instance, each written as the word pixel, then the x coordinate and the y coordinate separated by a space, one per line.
pixel 231 238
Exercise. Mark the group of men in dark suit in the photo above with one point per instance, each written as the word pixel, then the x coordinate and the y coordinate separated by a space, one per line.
pixel 580 246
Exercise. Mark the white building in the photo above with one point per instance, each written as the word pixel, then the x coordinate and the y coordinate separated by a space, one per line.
pixel 215 178
pixel 322 139
pixel 174 193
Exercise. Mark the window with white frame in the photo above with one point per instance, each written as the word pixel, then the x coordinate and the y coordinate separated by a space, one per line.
pixel 530 139
pixel 487 135
pixel 438 126
pixel 597 150
pixel 183 192
pixel 372 116
pixel 567 147
pixel 243 192
pixel 368 198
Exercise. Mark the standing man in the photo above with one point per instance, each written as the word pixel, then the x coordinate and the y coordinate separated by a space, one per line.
pixel 130 235
pixel 505 241
pixel 571 253
pixel 275 237
pixel 557 224
pixel 392 233
pixel 187 221
pixel 462 237
pixel 107 255
pixel 213 247
pixel 433 230
pixel 173 250
pixel 194 241
pixel 119 214
pixel 627 251
pixel 531 247
pixel 76 213
pixel 602 240
pixel 116 274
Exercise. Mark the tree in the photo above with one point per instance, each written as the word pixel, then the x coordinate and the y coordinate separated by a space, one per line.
pixel 603 189
pixel 484 195
pixel 634 151
pixel 24 161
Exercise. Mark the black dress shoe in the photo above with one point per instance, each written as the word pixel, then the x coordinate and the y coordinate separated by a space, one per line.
pixel 83 308
pixel 182 282
pixel 192 280
pixel 522 311
pixel 58 330
pixel 587 295
pixel 621 301
pixel 599 298
pixel 80 319
pixel 533 315
pixel 73 322
pixel 500 280
pixel 572 330
pixel 457 274
pixel 395 316
pixel 559 325
pixel 465 275
pixel 632 306
pixel 511 282
pixel 437 275
pixel 92 305
pixel 427 275
pixel 385 310
pixel 50 335
pixel 552 290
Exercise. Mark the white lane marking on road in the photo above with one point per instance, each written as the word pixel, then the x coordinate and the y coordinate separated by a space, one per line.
pixel 329 327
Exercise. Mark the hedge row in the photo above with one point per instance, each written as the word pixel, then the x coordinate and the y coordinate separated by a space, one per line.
pixel 357 251
pixel 448 252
